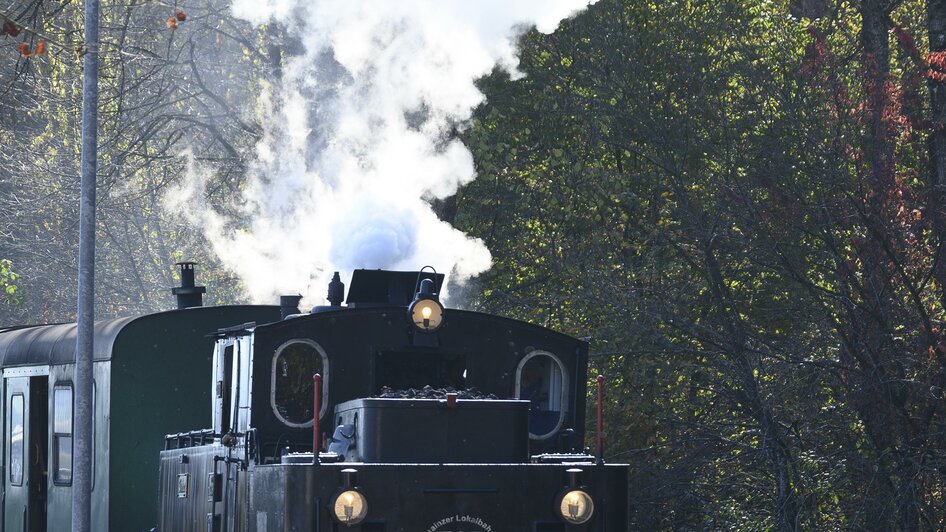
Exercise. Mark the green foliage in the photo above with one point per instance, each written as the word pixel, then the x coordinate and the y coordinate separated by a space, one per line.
pixel 8 284
pixel 693 185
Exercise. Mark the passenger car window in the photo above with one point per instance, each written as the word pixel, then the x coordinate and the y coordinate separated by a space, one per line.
pixel 540 380
pixel 293 366
pixel 16 440
pixel 62 434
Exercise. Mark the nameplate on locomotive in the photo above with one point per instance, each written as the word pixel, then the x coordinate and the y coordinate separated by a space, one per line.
pixel 460 523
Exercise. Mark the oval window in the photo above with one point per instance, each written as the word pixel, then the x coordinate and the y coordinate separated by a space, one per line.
pixel 294 364
pixel 541 380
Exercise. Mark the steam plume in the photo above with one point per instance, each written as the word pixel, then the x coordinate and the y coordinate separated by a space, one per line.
pixel 358 139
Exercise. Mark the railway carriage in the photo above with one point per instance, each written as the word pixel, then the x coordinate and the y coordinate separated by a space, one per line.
pixel 149 376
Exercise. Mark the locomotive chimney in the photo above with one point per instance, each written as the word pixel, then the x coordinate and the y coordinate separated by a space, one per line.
pixel 289 305
pixel 336 291
pixel 187 294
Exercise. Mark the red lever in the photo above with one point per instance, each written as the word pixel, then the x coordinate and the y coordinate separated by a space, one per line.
pixel 600 419
pixel 316 403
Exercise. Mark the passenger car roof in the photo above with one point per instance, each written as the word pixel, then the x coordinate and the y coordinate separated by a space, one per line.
pixel 56 344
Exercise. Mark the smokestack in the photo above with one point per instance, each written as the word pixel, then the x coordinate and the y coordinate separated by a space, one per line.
pixel 187 294
pixel 289 305
pixel 336 291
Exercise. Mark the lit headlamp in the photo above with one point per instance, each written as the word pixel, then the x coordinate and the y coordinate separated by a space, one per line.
pixel 426 312
pixel 350 507
pixel 576 507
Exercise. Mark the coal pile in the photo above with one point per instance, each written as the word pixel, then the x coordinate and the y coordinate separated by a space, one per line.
pixel 429 392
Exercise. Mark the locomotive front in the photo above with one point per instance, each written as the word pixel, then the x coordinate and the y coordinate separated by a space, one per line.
pixel 423 420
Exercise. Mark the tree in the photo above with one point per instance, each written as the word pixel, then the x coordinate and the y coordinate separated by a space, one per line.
pixel 165 92
pixel 731 202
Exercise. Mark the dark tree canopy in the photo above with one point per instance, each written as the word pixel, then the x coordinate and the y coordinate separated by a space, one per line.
pixel 737 202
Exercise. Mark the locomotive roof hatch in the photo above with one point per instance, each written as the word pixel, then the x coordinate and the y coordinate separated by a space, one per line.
pixel 381 288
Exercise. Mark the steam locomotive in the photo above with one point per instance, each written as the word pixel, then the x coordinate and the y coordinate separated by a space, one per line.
pixel 389 413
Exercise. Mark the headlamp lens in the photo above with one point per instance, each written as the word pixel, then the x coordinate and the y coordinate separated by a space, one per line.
pixel 576 507
pixel 426 314
pixel 350 507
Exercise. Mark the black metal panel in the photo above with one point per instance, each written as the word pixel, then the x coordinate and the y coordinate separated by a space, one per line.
pixel 411 497
pixel 430 431
pixel 187 488
pixel 383 287
pixel 491 348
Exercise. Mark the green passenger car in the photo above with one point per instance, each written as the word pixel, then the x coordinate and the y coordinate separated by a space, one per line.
pixel 152 377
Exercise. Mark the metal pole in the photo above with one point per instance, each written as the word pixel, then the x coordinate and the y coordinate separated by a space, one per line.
pixel 82 451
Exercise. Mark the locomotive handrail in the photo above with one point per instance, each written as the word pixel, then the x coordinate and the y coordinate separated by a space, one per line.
pixel 201 437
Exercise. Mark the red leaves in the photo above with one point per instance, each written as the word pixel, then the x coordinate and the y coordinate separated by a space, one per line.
pixel 816 54
pixel 13 29
pixel 937 66
pixel 10 28
pixel 937 59
pixel 907 42
pixel 173 20
pixel 25 51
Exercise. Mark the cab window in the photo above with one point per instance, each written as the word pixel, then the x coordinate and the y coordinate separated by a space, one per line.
pixel 294 364
pixel 541 380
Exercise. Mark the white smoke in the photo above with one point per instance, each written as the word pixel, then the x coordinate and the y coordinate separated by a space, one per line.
pixel 358 139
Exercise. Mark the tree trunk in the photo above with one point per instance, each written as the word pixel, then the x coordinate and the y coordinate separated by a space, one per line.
pixel 780 460
pixel 885 418
pixel 875 34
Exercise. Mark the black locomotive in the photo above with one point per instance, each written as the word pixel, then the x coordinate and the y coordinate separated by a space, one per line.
pixel 428 420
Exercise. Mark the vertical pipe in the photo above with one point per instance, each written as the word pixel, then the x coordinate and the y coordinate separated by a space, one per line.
pixel 82 453
pixel 600 419
pixel 317 406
